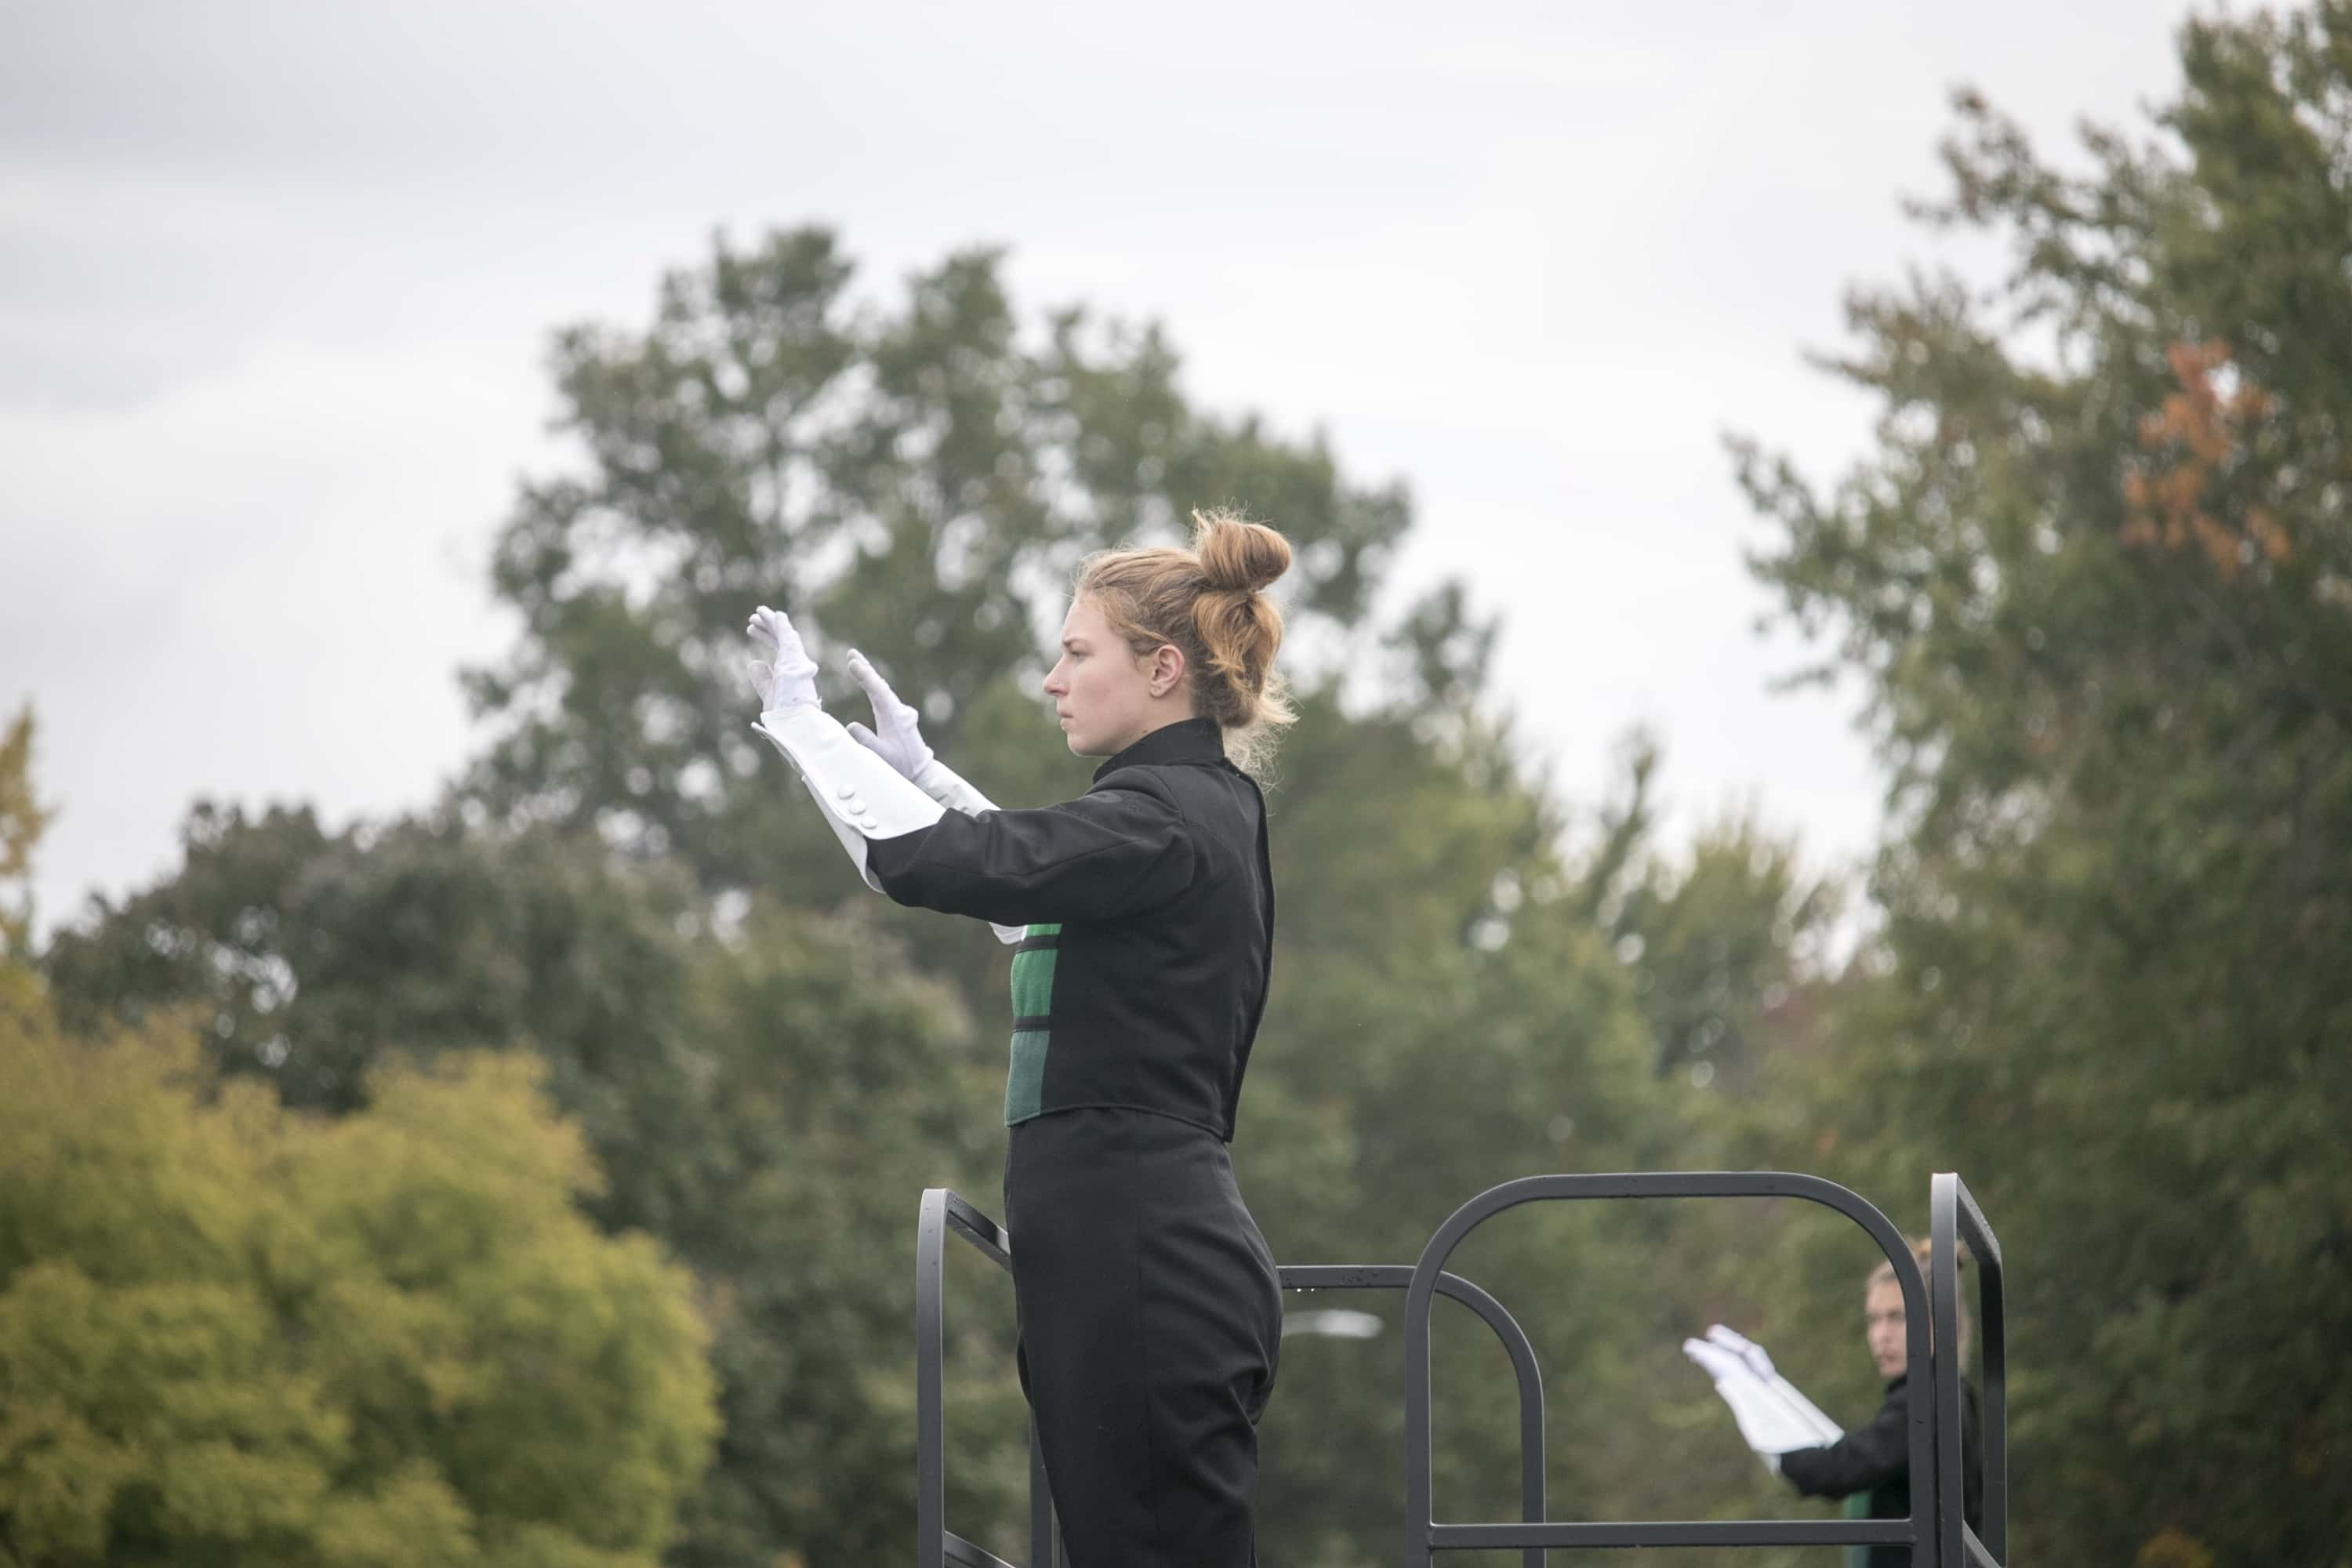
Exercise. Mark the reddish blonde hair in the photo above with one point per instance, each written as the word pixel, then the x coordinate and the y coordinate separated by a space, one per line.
pixel 1209 602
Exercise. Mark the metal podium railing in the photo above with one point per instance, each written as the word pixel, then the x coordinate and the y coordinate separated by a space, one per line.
pixel 1934 1530
pixel 944 1213
pixel 935 1544
pixel 1953 1219
pixel 1431 1537
pixel 1395 1277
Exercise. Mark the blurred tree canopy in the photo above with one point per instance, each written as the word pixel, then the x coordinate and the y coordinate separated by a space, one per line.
pixel 233 1334
pixel 762 1097
pixel 22 818
pixel 2098 576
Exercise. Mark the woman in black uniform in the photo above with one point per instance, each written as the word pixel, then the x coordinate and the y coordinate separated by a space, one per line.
pixel 1871 1466
pixel 1151 1314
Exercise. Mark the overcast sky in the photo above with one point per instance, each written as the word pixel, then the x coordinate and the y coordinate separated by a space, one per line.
pixel 275 282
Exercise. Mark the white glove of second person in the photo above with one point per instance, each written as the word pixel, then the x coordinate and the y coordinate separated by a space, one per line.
pixel 896 736
pixel 1772 1416
pixel 1757 1361
pixel 780 670
pixel 1746 1349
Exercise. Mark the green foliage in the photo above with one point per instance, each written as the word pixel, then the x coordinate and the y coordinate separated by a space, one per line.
pixel 231 1333
pixel 1719 943
pixel 2099 574
pixel 316 953
pixel 767 1098
pixel 22 818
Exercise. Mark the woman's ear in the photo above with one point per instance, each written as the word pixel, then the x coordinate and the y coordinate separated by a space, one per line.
pixel 1167 669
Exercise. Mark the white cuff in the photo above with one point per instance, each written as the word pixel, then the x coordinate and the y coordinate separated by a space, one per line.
pixel 1772 1416
pixel 863 797
pixel 1825 1431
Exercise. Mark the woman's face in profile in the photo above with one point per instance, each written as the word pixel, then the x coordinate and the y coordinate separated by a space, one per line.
pixel 1101 692
pixel 1882 1320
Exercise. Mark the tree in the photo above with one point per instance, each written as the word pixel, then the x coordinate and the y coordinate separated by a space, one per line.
pixel 232 1333
pixel 2098 577
pixel 1719 939
pixel 917 482
pixel 22 818
pixel 765 1097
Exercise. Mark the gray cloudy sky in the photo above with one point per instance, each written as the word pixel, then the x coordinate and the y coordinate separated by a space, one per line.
pixel 276 279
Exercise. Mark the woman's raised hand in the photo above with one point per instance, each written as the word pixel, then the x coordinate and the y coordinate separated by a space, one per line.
pixel 1746 1349
pixel 781 670
pixel 896 736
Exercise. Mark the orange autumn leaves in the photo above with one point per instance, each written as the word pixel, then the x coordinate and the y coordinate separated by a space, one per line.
pixel 2198 435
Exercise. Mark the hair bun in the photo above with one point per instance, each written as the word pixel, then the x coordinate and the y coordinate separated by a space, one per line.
pixel 1238 556
pixel 1205 600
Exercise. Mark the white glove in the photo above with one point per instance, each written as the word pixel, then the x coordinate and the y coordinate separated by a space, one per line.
pixel 1746 1349
pixel 1773 1416
pixel 1760 1364
pixel 896 736
pixel 859 794
pixel 783 673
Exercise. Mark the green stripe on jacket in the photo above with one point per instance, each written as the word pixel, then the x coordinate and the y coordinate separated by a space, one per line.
pixel 1033 997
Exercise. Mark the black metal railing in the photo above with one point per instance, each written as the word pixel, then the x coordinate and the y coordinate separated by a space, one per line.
pixel 1399 1277
pixel 1953 1221
pixel 936 1545
pixel 1918 1531
pixel 1934 1529
pixel 944 1213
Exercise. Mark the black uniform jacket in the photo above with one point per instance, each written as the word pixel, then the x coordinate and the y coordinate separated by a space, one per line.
pixel 1877 1459
pixel 1149 905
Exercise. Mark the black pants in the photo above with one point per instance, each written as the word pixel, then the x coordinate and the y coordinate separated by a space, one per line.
pixel 1150 1319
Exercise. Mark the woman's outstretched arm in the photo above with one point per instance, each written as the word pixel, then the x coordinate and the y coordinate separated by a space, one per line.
pixel 1108 854
pixel 1865 1457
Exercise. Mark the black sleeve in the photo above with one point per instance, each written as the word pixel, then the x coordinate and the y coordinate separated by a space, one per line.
pixel 1865 1457
pixel 1108 853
